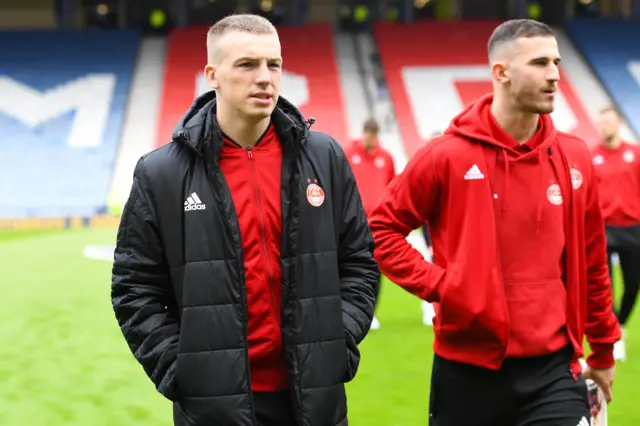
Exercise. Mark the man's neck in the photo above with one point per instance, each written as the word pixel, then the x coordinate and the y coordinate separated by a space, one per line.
pixel 519 125
pixel 369 148
pixel 613 142
pixel 244 133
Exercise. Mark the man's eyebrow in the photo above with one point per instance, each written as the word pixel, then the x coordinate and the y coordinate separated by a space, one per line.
pixel 546 59
pixel 253 59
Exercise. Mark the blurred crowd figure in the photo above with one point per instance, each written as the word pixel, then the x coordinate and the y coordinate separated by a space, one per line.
pixel 373 169
pixel 427 308
pixel 617 166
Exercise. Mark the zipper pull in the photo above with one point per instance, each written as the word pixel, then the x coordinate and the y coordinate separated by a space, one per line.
pixel 249 153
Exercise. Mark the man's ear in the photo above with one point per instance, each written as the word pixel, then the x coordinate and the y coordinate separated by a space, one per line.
pixel 210 75
pixel 500 72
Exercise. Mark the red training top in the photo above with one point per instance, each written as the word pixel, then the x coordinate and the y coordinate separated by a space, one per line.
pixel 253 176
pixel 618 172
pixel 373 171
pixel 519 246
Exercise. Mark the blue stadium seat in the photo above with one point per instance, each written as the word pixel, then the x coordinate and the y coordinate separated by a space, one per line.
pixel 62 103
pixel 612 48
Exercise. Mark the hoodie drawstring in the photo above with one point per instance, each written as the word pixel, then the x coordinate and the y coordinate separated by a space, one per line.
pixel 542 185
pixel 506 180
pixel 507 174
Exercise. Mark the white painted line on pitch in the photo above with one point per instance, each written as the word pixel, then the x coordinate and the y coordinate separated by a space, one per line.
pixel 99 252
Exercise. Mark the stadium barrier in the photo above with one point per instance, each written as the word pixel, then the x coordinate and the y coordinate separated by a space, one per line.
pixel 108 221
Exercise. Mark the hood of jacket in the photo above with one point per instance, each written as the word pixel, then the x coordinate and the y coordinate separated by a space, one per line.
pixel 198 129
pixel 472 124
pixel 475 124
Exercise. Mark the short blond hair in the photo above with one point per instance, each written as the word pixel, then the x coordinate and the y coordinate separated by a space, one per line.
pixel 246 23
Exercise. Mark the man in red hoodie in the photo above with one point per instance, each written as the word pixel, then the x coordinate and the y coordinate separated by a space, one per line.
pixel 617 166
pixel 373 169
pixel 520 270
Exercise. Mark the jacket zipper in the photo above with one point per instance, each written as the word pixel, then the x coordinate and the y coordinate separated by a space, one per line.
pixel 216 180
pixel 263 232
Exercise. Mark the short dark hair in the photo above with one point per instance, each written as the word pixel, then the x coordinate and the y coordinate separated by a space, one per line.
pixel 371 125
pixel 514 29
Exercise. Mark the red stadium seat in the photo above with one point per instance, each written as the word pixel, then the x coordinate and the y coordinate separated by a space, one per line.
pixel 434 69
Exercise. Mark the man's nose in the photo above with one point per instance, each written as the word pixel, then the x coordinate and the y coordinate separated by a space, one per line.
pixel 553 72
pixel 263 77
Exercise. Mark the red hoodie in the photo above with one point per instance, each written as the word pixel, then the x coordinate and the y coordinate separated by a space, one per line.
pixel 373 171
pixel 618 172
pixel 253 177
pixel 509 228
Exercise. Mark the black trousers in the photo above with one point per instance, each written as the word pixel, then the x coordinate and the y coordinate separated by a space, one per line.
pixel 274 408
pixel 630 265
pixel 524 392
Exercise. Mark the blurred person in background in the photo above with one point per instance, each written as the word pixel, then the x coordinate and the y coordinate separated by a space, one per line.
pixel 617 166
pixel 243 277
pixel 520 267
pixel 425 228
pixel 428 312
pixel 373 168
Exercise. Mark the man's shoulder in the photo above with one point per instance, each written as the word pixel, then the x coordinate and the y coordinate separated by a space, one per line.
pixel 443 148
pixel 386 153
pixel 575 147
pixel 572 141
pixel 322 144
pixel 165 158
pixel 634 146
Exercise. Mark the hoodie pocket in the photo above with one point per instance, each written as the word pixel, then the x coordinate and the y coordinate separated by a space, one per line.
pixel 471 305
pixel 449 311
pixel 538 311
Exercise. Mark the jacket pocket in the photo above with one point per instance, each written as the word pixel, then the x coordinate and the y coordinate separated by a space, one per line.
pixel 180 417
pixel 340 416
pixel 343 421
pixel 352 361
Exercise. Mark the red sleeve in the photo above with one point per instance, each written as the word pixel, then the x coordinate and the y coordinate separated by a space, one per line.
pixel 405 207
pixel 602 328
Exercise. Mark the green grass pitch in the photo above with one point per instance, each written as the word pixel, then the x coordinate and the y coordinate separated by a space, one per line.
pixel 64 361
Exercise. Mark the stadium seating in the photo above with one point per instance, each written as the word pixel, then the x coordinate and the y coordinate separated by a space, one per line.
pixel 310 77
pixel 613 49
pixel 62 101
pixel 433 69
pixel 62 109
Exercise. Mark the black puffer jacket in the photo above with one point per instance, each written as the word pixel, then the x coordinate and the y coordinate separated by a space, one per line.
pixel 178 286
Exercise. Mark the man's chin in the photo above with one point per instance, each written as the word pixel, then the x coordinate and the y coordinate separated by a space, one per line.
pixel 259 113
pixel 545 109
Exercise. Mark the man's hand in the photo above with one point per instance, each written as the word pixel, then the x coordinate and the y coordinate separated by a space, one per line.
pixel 603 378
